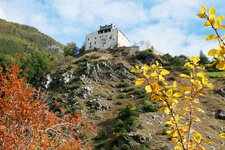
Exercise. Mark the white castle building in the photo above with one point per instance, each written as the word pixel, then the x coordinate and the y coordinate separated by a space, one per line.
pixel 107 36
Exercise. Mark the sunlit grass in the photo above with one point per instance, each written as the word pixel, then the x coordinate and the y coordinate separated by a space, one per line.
pixel 216 74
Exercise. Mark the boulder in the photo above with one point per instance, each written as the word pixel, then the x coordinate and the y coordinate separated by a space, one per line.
pixel 220 114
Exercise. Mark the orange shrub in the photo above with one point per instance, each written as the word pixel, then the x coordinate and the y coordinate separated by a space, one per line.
pixel 27 123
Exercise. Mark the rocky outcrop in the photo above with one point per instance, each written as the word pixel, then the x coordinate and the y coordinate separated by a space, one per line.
pixel 221 92
pixel 220 114
pixel 97 105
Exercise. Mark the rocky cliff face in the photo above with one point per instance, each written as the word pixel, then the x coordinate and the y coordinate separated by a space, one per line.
pixel 100 85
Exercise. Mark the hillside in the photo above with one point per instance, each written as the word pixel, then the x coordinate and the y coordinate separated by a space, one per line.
pixel 15 37
pixel 27 47
pixel 100 85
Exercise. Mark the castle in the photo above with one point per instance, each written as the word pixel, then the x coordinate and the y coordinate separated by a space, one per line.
pixel 107 37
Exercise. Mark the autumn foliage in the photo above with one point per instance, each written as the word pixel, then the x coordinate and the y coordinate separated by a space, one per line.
pixel 179 101
pixel 27 123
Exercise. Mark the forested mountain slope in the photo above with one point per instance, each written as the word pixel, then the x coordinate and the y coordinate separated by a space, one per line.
pixel 27 47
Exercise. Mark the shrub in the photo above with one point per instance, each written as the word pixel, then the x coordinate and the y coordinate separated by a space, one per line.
pixel 121 96
pixel 145 56
pixel 27 123
pixel 127 112
pixel 150 107
pixel 122 85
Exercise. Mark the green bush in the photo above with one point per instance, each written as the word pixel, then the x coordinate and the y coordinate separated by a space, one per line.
pixel 127 112
pixel 145 56
pixel 121 96
pixel 150 107
pixel 122 85
pixel 34 65
pixel 128 89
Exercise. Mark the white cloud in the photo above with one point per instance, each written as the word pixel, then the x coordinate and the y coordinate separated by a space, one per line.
pixel 175 12
pixel 165 23
pixel 2 13
pixel 171 40
pixel 174 31
pixel 87 11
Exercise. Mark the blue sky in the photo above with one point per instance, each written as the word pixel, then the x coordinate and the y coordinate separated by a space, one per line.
pixel 170 26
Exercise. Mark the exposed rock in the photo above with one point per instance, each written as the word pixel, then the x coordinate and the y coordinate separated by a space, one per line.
pixel 220 114
pixel 221 92
pixel 139 139
pixel 123 71
pixel 48 81
pixel 67 77
pixel 98 118
pixel 88 90
pixel 95 104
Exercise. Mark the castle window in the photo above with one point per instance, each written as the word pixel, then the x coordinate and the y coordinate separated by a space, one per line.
pixel 103 41
pixel 88 39
pixel 95 42
pixel 95 38
pixel 110 37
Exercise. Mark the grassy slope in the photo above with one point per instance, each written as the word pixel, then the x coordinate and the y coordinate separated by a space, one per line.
pixel 19 38
pixel 153 122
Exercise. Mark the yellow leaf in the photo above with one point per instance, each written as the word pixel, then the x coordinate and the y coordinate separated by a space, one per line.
pixel 184 76
pixel 174 84
pixel 212 52
pixel 175 134
pixel 169 92
pixel 211 86
pixel 166 110
pixel 139 81
pixel 207 141
pixel 201 75
pixel 174 140
pixel 168 132
pixel 204 8
pixel 137 67
pixel 148 89
pixel 217 24
pixel 220 18
pixel 212 11
pixel 198 137
pixel 222 135
pixel 135 71
pixel 189 65
pixel 178 147
pixel 200 110
pixel 222 27
pixel 211 37
pixel 169 123
pixel 177 94
pixel 196 100
pixel 174 100
pixel 221 66
pixel 164 72
pixel 195 59
pixel 146 68
pixel 196 119
pixel 200 148
pixel 161 78
pixel 154 74
pixel 207 24
pixel 201 93
pixel 201 15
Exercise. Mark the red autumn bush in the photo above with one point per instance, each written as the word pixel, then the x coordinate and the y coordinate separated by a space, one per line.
pixel 27 123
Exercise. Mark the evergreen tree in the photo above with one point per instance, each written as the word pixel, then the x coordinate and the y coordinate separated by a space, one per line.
pixel 203 58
